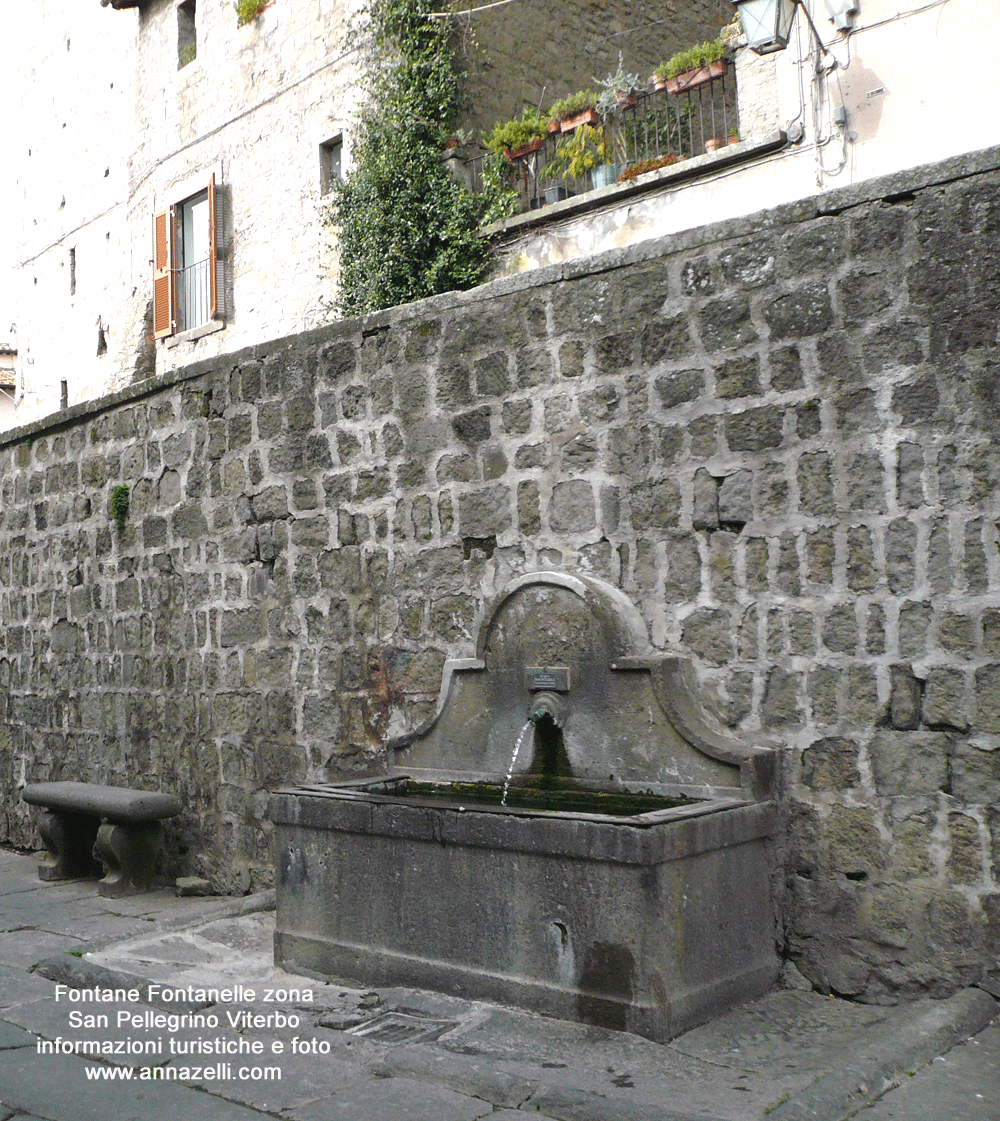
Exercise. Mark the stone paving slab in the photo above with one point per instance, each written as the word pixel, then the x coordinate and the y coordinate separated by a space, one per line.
pixel 479 1078
pixel 18 987
pixel 394 1099
pixel 56 1088
pixel 23 948
pixel 11 1037
pixel 305 1079
pixel 568 1104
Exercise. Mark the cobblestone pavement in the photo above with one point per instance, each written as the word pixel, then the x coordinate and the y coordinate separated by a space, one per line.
pixel 320 1052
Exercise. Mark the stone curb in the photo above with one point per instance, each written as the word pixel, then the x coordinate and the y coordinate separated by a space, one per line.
pixel 910 1039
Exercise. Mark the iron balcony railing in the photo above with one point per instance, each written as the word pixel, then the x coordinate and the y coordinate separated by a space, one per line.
pixel 193 296
pixel 645 131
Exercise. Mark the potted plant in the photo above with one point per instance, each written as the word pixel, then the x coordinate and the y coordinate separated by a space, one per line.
pixel 576 110
pixel 618 92
pixel 518 137
pixel 579 154
pixel 633 171
pixel 692 67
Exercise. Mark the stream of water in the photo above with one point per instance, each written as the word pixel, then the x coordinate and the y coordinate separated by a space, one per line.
pixel 513 760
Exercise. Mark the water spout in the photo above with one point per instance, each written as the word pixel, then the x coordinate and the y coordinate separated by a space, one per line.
pixel 528 724
pixel 547 706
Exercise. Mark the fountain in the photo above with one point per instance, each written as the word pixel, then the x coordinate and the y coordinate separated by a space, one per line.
pixel 618 876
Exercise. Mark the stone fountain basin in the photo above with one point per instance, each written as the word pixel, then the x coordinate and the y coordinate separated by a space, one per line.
pixel 650 923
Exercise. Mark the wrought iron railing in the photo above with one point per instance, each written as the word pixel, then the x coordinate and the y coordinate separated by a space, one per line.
pixel 646 130
pixel 193 296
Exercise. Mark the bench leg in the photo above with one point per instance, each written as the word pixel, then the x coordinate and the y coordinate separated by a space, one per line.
pixel 69 838
pixel 128 853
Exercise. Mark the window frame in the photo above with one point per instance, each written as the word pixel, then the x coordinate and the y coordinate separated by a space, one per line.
pixel 167 241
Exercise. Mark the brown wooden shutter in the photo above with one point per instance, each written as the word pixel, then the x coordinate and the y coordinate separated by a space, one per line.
pixel 164 309
pixel 213 252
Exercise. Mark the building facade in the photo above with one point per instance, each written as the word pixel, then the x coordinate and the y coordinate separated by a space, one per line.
pixel 172 182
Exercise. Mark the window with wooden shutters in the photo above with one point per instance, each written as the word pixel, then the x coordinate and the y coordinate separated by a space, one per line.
pixel 164 322
pixel 188 281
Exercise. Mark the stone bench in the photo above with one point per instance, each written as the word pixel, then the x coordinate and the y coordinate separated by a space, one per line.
pixel 119 827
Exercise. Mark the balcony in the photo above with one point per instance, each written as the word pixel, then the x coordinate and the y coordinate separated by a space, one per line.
pixel 643 132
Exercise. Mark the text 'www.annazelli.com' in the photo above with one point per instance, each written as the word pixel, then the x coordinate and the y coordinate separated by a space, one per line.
pixel 220 1072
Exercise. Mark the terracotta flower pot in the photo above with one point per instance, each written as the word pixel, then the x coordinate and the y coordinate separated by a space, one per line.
pixel 525 149
pixel 690 79
pixel 659 84
pixel 713 145
pixel 585 117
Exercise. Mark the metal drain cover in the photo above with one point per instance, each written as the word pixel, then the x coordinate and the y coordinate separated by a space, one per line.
pixel 398 1027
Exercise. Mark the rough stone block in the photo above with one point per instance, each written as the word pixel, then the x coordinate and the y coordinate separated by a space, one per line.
pixel 738 377
pixel 755 429
pixel 735 503
pixel 909 763
pixel 726 323
pixel 840 629
pixel 666 340
pixel 831 764
pixel 904 698
pixel 572 509
pixel 655 505
pixel 705 512
pixel 781 707
pixel 975 773
pixel 708 633
pixel 678 386
pixel 854 844
pixel 965 858
pixel 750 263
pixel 804 312
pixel 485 512
pixel 944 703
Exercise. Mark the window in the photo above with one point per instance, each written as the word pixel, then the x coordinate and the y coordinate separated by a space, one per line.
pixel 330 162
pixel 187 268
pixel 187 39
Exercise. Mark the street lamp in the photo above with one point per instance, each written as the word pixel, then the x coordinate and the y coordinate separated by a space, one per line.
pixel 766 23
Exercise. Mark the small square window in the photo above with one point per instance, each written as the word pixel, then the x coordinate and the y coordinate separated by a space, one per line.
pixel 330 163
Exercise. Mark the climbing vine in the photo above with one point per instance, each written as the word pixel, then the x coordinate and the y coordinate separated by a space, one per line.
pixel 406 227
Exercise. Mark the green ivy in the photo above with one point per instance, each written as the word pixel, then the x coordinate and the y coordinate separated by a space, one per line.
pixel 406 227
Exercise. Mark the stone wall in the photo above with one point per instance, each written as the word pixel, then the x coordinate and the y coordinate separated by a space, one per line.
pixel 775 434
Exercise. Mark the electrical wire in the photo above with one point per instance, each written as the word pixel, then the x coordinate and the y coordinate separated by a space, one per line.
pixel 469 11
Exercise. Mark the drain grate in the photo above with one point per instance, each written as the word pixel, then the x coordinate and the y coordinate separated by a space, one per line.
pixel 398 1027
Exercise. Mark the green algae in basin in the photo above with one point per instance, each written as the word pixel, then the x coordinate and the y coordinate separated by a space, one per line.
pixel 541 796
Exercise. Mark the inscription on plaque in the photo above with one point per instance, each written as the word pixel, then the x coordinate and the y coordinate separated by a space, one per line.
pixel 553 678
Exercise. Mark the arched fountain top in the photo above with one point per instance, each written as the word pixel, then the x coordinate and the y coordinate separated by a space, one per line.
pixel 633 717
pixel 624 627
